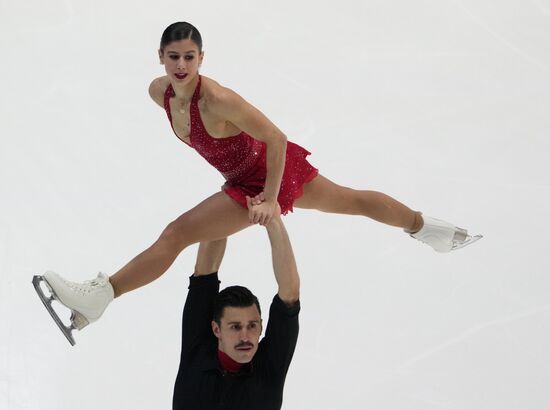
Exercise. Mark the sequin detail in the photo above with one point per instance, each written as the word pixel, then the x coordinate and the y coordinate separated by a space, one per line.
pixel 241 159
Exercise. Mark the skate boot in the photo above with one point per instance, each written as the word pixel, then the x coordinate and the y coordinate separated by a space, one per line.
pixel 87 300
pixel 443 236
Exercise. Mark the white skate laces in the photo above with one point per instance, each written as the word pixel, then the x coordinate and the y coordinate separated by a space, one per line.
pixel 443 236
pixel 85 287
pixel 86 300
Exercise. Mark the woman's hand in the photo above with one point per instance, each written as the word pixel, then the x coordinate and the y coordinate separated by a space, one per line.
pixel 258 199
pixel 261 212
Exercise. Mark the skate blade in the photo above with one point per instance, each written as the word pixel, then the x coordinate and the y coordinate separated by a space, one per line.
pixel 469 240
pixel 47 301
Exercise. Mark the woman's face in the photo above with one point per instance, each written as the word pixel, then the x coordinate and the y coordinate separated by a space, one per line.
pixel 181 60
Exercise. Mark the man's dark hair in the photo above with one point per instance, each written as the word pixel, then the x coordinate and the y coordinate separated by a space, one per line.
pixel 233 296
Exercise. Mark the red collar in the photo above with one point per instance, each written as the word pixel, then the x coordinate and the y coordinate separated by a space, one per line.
pixel 228 364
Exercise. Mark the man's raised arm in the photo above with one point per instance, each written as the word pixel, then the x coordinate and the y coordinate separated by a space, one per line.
pixel 203 289
pixel 209 257
pixel 284 264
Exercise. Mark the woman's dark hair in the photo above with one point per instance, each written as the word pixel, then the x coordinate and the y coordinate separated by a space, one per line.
pixel 180 31
pixel 233 296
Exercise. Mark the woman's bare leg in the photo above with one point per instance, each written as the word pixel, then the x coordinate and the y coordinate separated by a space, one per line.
pixel 324 195
pixel 215 218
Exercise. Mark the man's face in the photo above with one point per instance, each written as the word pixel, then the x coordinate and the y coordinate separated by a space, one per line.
pixel 239 332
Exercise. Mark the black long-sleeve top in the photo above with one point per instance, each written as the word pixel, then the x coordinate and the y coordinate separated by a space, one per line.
pixel 202 385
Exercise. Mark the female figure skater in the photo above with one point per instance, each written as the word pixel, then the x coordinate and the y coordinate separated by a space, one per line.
pixel 257 161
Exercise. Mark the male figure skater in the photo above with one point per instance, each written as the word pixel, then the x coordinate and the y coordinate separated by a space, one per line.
pixel 223 364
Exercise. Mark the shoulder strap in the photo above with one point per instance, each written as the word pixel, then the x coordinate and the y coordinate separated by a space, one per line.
pixel 168 93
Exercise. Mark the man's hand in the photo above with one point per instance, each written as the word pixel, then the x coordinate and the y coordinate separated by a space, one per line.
pixel 261 212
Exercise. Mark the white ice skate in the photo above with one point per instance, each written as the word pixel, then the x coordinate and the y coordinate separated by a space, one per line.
pixel 443 236
pixel 87 300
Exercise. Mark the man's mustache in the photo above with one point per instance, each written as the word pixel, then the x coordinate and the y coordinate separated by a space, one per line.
pixel 244 344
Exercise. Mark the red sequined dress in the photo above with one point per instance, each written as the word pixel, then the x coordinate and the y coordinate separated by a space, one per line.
pixel 241 159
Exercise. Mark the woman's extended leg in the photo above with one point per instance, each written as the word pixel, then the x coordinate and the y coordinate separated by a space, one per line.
pixel 209 222
pixel 324 195
pixel 215 218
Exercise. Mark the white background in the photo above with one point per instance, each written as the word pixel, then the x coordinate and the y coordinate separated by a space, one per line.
pixel 443 104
